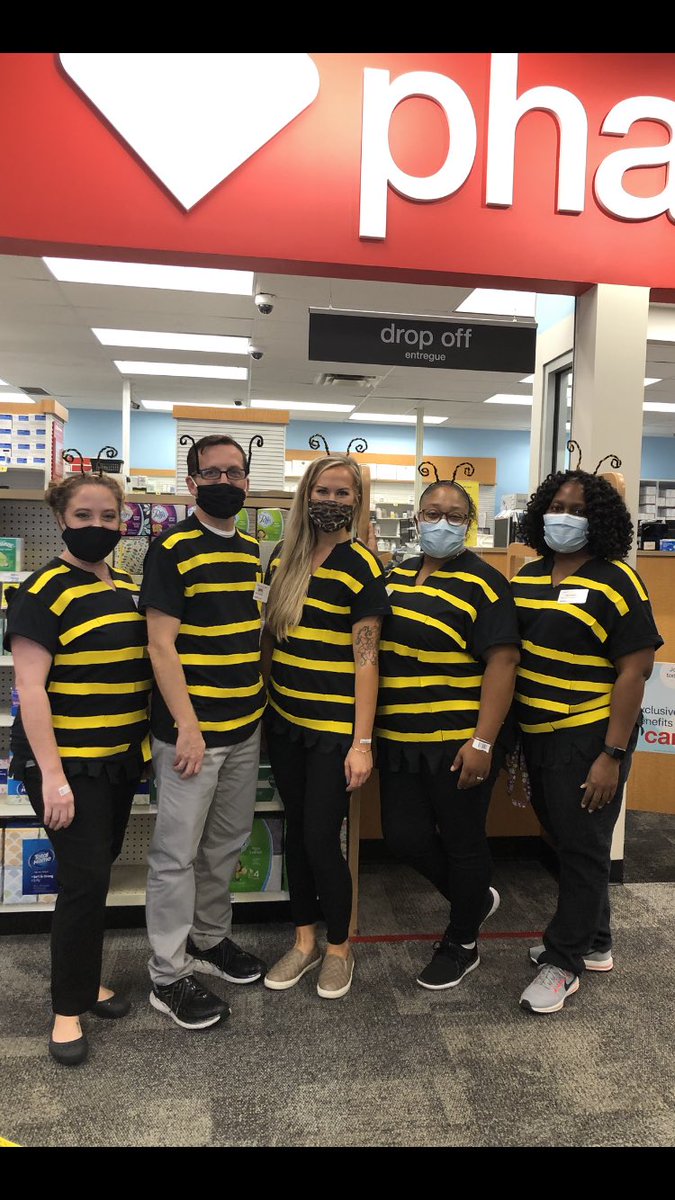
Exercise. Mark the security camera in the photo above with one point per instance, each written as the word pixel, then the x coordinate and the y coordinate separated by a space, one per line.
pixel 255 353
pixel 264 303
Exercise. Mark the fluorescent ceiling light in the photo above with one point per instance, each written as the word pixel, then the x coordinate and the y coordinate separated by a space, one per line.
pixel 498 303
pixel 527 379
pixel 204 343
pixel 504 398
pixel 152 275
pixel 301 406
pixel 185 370
pixel 167 405
pixel 16 398
pixel 654 407
pixel 389 420
pixel 650 381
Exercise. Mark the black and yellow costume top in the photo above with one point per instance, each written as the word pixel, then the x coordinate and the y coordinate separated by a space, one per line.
pixel 431 664
pixel 100 678
pixel 572 635
pixel 207 582
pixel 311 686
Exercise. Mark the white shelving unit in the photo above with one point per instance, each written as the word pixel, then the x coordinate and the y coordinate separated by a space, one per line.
pixel 657 500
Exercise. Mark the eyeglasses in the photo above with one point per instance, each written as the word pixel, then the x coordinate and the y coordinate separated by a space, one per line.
pixel 433 515
pixel 213 474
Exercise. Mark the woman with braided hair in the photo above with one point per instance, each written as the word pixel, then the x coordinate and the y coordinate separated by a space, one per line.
pixel 588 643
pixel 448 657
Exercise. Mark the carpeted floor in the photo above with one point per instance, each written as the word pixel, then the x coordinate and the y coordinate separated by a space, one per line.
pixel 388 1065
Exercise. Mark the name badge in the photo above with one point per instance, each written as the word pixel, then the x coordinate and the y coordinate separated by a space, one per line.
pixel 262 591
pixel 573 596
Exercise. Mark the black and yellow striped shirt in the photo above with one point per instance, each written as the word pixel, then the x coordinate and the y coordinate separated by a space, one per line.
pixel 431 664
pixel 207 582
pixel 100 679
pixel 311 686
pixel 572 635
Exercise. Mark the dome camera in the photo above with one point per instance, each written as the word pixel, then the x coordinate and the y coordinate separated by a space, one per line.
pixel 264 303
pixel 255 353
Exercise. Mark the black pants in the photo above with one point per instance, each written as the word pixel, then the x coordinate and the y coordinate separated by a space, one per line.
pixel 439 830
pixel 85 852
pixel 582 841
pixel 312 786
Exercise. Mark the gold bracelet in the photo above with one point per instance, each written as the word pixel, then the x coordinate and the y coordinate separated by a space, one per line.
pixel 360 751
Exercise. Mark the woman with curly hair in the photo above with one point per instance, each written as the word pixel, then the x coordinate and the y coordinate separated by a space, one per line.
pixel 588 643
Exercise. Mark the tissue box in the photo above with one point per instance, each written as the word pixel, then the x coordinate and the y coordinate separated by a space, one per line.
pixel 11 554
pixel 260 865
pixel 165 516
pixel 135 520
pixel 667 544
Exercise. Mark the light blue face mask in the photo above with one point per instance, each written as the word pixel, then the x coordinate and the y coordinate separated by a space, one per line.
pixel 440 540
pixel 564 533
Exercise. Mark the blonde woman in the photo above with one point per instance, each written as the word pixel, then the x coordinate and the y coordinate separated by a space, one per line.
pixel 320 660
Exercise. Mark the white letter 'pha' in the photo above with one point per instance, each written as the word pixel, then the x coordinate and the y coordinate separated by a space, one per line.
pixel 506 109
pixel 378 169
pixel 609 188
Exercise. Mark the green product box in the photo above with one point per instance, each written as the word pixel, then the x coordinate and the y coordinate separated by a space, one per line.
pixel 260 864
pixel 266 786
pixel 270 524
pixel 11 554
pixel 242 520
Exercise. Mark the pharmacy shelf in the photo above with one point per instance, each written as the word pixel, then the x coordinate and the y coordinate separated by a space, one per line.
pixel 23 809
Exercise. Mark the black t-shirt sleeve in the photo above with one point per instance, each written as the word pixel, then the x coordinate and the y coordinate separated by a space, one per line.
pixel 162 585
pixel 372 600
pixel 28 616
pixel 636 629
pixel 497 621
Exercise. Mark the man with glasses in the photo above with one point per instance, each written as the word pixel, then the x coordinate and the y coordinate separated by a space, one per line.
pixel 199 596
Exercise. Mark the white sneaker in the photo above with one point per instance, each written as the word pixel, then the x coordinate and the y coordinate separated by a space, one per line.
pixel 550 990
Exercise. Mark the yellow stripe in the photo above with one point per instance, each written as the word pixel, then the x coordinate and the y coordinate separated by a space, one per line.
pixel 400 681
pixel 571 610
pixel 222 726
pixel 86 589
pixel 616 597
pixel 422 620
pixel 369 558
pixel 291 660
pixel 439 735
pixel 44 579
pixel 217 660
pixel 434 706
pixel 175 538
pixel 582 660
pixel 351 583
pixel 201 560
pixel 92 751
pixel 489 592
pixel 100 656
pixel 429 656
pixel 436 593
pixel 536 579
pixel 130 718
pixel 326 607
pixel 320 635
pixel 220 630
pixel 632 576
pixel 579 685
pixel 558 706
pixel 99 689
pixel 567 722
pixel 146 750
pixel 247 538
pixel 4 1142
pixel 225 692
pixel 275 563
pixel 198 589
pixel 323 726
pixel 403 571
pixel 97 623
pixel 327 698
pixel 129 587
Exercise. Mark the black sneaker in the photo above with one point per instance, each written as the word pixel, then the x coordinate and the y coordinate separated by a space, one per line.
pixel 188 1004
pixel 228 961
pixel 448 966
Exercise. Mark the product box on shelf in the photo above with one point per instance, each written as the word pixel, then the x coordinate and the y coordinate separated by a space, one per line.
pixel 165 516
pixel 4 776
pixel 29 875
pixel 129 554
pixel 11 554
pixel 270 525
pixel 667 544
pixel 260 865
pixel 135 519
pixel 266 787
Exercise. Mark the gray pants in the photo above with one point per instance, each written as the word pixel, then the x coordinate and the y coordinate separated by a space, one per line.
pixel 202 823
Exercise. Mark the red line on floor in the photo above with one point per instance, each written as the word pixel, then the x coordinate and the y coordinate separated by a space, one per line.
pixel 436 937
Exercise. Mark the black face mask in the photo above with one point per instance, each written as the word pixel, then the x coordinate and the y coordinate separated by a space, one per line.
pixel 220 500
pixel 330 516
pixel 90 543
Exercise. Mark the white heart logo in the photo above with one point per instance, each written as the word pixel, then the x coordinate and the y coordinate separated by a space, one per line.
pixel 195 118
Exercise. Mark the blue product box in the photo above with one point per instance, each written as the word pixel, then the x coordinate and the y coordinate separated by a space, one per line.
pixel 15 787
pixel 667 544
pixel 39 867
pixel 35 418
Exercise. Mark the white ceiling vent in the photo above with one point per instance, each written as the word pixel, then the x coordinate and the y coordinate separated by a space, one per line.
pixel 347 382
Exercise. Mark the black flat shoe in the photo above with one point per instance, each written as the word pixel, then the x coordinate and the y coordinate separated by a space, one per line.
pixel 111 1009
pixel 69 1054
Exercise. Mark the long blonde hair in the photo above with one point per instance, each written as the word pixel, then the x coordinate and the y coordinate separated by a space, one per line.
pixel 291 578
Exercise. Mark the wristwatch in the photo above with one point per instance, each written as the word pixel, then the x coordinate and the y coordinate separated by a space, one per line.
pixel 614 752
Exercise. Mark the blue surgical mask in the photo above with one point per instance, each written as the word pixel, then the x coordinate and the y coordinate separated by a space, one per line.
pixel 564 533
pixel 440 540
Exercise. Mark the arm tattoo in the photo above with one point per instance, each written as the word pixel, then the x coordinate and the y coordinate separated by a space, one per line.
pixel 366 645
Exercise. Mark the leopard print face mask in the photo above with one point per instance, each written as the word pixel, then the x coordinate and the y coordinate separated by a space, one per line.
pixel 329 516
